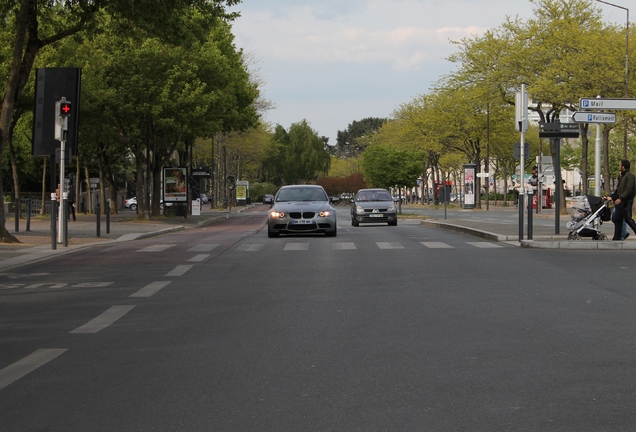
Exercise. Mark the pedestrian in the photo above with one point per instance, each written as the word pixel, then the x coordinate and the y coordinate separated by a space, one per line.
pixel 71 208
pixel 624 233
pixel 623 198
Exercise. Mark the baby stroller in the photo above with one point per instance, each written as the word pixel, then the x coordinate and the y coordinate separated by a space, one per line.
pixel 588 214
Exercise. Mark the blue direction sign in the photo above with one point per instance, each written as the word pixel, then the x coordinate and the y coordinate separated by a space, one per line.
pixel 593 117
pixel 607 104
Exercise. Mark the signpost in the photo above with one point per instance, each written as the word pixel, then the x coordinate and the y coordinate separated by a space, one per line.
pixel 607 104
pixel 593 117
pixel 559 130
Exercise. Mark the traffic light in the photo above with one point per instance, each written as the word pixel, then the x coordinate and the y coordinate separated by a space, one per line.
pixel 65 108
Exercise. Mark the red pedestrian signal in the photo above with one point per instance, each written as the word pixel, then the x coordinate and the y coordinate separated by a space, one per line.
pixel 65 108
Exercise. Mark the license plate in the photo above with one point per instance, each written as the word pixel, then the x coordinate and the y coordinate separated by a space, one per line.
pixel 376 215
pixel 301 221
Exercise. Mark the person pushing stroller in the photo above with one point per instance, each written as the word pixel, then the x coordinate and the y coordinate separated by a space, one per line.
pixel 623 198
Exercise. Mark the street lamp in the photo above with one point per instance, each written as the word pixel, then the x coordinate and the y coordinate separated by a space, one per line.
pixel 626 67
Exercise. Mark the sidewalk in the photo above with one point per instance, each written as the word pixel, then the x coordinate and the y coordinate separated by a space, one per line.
pixel 37 243
pixel 502 224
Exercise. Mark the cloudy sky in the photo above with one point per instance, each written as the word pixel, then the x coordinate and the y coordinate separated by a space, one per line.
pixel 332 62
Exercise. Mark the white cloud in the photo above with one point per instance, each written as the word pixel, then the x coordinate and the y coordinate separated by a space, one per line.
pixel 335 61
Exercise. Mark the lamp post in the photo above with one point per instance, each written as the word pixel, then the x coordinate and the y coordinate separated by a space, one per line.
pixel 626 69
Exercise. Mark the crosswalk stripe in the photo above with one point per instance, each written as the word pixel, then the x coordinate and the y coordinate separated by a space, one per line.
pixel 251 247
pixel 484 245
pixel 27 365
pixel 389 245
pixel 203 248
pixel 343 246
pixel 179 270
pixel 199 258
pixel 150 289
pixel 296 247
pixel 156 248
pixel 437 245
pixel 104 320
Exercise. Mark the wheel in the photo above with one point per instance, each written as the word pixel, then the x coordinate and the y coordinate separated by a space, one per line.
pixel 133 207
pixel 272 234
pixel 574 236
pixel 332 233
pixel 601 237
pixel 393 223
pixel 354 222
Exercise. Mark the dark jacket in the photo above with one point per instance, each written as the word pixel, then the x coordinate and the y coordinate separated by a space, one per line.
pixel 626 189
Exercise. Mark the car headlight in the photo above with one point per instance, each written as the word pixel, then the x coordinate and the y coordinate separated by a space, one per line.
pixel 391 208
pixel 325 213
pixel 277 215
pixel 359 209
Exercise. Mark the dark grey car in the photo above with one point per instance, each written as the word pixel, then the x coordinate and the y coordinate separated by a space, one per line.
pixel 373 206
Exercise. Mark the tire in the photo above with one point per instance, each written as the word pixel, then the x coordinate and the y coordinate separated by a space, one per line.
pixel 601 237
pixel 332 233
pixel 354 222
pixel 272 234
pixel 393 223
pixel 574 236
pixel 133 207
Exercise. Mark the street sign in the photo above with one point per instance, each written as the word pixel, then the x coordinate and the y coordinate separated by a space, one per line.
pixel 558 130
pixel 607 104
pixel 593 117
pixel 483 174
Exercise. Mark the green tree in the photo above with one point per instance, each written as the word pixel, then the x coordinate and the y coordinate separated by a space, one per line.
pixel 350 142
pixel 298 155
pixel 386 166
pixel 34 25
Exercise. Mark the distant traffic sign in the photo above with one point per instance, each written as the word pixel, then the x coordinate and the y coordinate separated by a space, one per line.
pixel 607 104
pixel 558 130
pixel 593 117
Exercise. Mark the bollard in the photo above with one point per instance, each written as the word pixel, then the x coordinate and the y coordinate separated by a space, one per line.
pixel 65 219
pixel 107 216
pixel 97 212
pixel 28 218
pixel 530 204
pixel 53 221
pixel 522 209
pixel 16 212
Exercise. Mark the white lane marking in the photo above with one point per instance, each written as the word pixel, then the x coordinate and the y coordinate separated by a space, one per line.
pixel 104 320
pixel 343 246
pixel 27 365
pixel 389 245
pixel 250 247
pixel 92 284
pixel 199 258
pixel 52 285
pixel 150 289
pixel 484 245
pixel 203 248
pixel 437 245
pixel 296 247
pixel 179 270
pixel 156 248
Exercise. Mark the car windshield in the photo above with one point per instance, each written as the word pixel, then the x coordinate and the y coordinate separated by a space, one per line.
pixel 301 194
pixel 374 196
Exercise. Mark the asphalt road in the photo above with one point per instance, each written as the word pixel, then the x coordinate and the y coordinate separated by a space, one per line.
pixel 406 328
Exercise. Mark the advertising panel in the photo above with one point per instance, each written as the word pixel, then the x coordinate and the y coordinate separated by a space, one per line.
pixel 469 185
pixel 175 185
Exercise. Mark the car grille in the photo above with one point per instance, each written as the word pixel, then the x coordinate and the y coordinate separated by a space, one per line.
pixel 371 210
pixel 302 215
